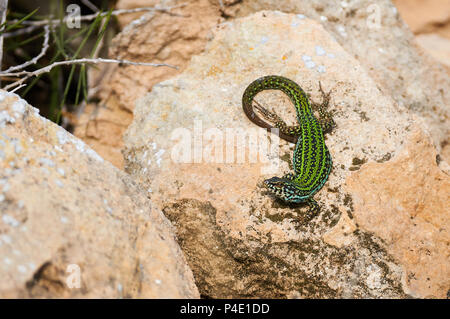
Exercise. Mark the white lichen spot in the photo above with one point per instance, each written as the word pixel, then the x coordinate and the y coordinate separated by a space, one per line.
pixel 306 58
pixel 373 280
pixel 5 118
pixel 61 171
pixel 331 55
pixel 93 154
pixel 2 198
pixel 6 239
pixel 22 269
pixel 20 204
pixel 7 261
pixel 300 16
pixel 341 30
pixel 107 208
pixel 344 4
pixel 51 153
pixel 18 107
pixel 9 220
pixel 264 40
pixel 158 281
pixel 321 69
pixel 62 136
pixel 47 162
pixel 17 148
pixel 64 220
pixel 6 188
pixel 323 18
pixel 310 64
pixel 159 155
pixel 79 144
pixel 320 50
pixel 59 183
pixel 295 23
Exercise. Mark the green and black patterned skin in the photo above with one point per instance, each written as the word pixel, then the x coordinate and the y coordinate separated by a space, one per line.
pixel 311 160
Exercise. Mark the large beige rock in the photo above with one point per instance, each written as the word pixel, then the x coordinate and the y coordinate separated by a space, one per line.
pixel 405 202
pixel 424 16
pixel 374 34
pixel 65 212
pixel 389 54
pixel 238 241
pixel 154 37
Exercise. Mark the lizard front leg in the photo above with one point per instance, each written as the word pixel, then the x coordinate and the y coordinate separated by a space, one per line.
pixel 325 117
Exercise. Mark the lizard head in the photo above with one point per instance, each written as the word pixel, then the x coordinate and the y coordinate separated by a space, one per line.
pixel 285 189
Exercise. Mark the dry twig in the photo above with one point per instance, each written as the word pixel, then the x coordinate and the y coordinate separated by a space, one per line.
pixel 29 74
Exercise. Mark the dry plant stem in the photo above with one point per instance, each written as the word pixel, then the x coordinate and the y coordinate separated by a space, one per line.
pixel 94 15
pixel 90 5
pixel 3 8
pixel 28 74
pixel 36 58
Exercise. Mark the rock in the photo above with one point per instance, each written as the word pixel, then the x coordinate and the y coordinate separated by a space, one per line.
pixel 72 225
pixel 425 16
pixel 438 47
pixel 154 37
pixel 239 242
pixel 374 34
pixel 405 202
pixel 389 54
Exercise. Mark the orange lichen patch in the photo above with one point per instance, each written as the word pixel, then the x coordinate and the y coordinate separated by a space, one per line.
pixel 213 70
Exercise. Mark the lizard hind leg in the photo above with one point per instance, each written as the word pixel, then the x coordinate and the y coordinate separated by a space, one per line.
pixel 313 206
pixel 278 122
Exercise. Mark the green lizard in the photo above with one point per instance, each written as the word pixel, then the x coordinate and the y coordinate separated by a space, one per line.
pixel 311 160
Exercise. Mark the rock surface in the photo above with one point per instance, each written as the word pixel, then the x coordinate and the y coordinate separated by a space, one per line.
pixel 389 53
pixel 154 37
pixel 239 242
pixel 65 212
pixel 374 34
pixel 425 16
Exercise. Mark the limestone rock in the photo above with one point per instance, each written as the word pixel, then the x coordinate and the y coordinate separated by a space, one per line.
pixel 387 50
pixel 437 46
pixel 239 241
pixel 405 202
pixel 374 34
pixel 424 16
pixel 72 225
pixel 154 37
